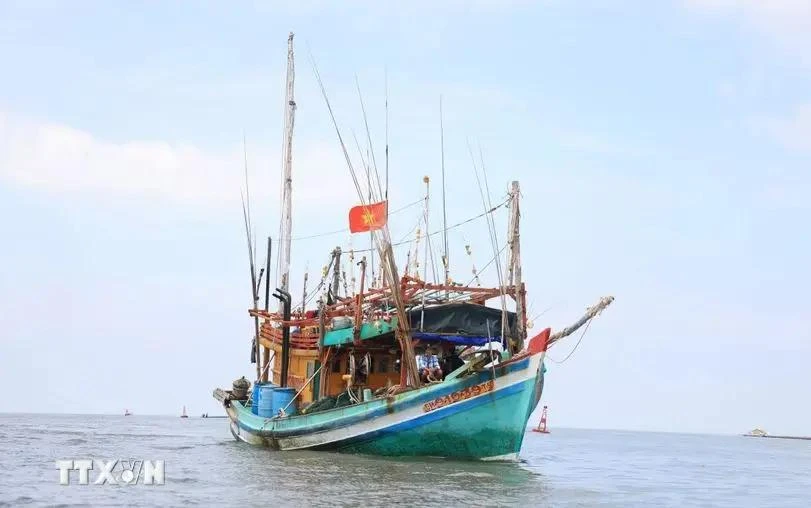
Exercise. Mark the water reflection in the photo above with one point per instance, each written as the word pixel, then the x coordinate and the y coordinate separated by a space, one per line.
pixel 338 478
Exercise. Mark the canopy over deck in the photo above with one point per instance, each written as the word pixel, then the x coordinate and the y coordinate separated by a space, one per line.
pixel 458 323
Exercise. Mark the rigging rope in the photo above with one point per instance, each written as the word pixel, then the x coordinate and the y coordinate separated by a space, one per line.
pixel 575 346
pixel 449 227
pixel 488 264
pixel 542 312
pixel 322 283
pixel 344 230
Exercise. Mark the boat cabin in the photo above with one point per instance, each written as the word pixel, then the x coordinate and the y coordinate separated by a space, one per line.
pixel 365 362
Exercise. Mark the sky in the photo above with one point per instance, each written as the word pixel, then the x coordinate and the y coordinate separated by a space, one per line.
pixel 662 149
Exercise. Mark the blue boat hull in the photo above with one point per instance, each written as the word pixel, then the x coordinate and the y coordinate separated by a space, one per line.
pixel 481 416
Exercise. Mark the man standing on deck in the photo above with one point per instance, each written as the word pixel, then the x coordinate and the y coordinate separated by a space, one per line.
pixel 428 366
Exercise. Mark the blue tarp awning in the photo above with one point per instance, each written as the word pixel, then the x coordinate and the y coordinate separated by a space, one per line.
pixel 454 339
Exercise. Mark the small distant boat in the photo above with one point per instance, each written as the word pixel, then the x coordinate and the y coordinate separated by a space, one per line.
pixel 762 433
pixel 127 412
pixel 542 424
pixel 184 415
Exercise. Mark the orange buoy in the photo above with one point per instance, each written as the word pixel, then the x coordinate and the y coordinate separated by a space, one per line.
pixel 542 424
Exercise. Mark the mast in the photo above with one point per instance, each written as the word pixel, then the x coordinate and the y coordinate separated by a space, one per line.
pixel 371 233
pixel 304 294
pixel 386 195
pixel 515 266
pixel 359 304
pixel 425 258
pixel 287 181
pixel 445 257
pixel 425 255
pixel 267 273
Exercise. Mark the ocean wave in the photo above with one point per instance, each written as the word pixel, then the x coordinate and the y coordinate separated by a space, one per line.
pixel 182 480
pixel 472 474
pixel 175 448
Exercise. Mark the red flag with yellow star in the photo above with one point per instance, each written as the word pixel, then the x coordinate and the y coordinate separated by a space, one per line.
pixel 367 218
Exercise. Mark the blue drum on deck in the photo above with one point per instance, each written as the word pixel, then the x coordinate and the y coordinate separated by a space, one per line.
pixel 256 395
pixel 281 399
pixel 266 406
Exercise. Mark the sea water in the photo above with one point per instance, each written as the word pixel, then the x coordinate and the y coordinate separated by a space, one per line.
pixel 204 465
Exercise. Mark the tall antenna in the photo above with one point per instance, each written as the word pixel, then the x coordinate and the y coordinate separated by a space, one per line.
pixel 445 257
pixel 247 186
pixel 366 162
pixel 372 161
pixel 254 298
pixel 408 371
pixel 287 187
pixel 487 205
pixel 246 216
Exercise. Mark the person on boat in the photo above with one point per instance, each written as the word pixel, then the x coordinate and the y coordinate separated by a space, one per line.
pixel 450 362
pixel 362 370
pixel 428 366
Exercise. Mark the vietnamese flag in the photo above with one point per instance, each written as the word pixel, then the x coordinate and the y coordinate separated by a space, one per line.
pixel 367 218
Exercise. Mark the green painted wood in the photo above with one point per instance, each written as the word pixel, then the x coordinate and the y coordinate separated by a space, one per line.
pixel 367 331
pixel 316 380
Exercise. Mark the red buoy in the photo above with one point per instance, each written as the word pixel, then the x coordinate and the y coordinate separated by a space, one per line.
pixel 542 424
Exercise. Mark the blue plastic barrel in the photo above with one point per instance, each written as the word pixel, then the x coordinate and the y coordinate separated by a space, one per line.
pixel 281 399
pixel 266 401
pixel 255 398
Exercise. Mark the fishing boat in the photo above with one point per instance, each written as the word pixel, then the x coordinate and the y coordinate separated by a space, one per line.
pixel 405 367
pixel 127 412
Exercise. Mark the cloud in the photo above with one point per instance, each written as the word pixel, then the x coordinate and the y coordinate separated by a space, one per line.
pixel 793 131
pixel 57 158
pixel 787 22
pixel 782 188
